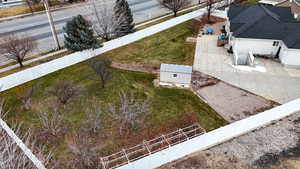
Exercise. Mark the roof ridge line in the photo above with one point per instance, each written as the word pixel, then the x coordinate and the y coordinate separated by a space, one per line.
pixel 270 13
pixel 246 26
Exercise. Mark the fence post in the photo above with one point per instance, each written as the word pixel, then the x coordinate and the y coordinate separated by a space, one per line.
pixel 166 140
pixel 201 128
pixel 124 152
pixel 146 145
pixel 184 134
pixel 102 162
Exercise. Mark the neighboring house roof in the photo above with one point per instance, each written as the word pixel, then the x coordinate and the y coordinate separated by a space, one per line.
pixel 176 68
pixel 265 22
pixel 297 2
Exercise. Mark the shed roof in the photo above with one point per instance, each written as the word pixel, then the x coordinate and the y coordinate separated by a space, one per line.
pixel 176 68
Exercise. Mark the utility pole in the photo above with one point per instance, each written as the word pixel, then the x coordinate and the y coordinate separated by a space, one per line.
pixel 50 19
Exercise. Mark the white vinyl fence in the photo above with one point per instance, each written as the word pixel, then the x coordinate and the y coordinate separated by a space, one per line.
pixel 151 146
pixel 214 137
pixel 22 146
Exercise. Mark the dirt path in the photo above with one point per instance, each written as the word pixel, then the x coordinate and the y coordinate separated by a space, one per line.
pixel 137 67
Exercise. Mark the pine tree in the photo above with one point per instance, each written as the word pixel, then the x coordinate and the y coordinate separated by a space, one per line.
pixel 79 35
pixel 124 15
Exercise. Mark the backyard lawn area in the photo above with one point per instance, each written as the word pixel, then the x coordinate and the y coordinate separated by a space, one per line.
pixel 167 108
pixel 168 46
pixel 250 2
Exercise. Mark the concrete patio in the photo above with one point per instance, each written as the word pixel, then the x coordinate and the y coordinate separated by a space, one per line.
pixel 268 79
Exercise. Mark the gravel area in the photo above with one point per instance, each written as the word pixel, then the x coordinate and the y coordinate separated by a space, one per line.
pixel 273 139
pixel 273 146
pixel 222 96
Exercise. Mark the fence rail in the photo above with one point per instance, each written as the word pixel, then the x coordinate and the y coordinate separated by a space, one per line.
pixel 151 146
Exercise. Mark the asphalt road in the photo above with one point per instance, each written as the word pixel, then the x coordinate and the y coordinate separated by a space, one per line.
pixel 37 26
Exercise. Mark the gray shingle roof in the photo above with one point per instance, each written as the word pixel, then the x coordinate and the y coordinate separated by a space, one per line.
pixel 176 68
pixel 265 22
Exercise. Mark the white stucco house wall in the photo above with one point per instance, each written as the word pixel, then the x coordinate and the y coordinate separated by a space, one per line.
pixel 175 75
pixel 266 31
pixel 271 2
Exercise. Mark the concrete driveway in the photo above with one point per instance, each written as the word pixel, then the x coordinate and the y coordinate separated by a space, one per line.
pixel 268 79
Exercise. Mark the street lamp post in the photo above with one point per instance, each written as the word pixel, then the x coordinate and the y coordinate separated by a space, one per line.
pixel 50 19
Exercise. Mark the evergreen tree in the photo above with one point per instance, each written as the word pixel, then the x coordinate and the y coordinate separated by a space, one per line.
pixel 124 16
pixel 79 35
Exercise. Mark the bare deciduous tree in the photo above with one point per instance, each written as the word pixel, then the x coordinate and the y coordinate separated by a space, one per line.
pixel 128 110
pixel 25 94
pixel 17 47
pixel 86 156
pixel 51 121
pixel 175 5
pixel 29 4
pixel 101 67
pixel 210 9
pixel 93 121
pixel 64 91
pixel 105 22
pixel 11 156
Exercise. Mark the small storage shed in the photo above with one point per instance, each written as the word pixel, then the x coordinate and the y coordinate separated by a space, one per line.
pixel 178 75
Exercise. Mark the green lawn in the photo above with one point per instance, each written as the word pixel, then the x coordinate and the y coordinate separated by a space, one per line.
pixel 166 102
pixel 250 2
pixel 169 108
pixel 168 46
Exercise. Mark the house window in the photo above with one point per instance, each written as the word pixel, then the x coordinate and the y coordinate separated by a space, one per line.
pixel 174 75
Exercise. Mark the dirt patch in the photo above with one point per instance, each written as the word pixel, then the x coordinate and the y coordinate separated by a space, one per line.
pixel 213 19
pixel 230 102
pixel 201 23
pixel 137 67
pixel 293 163
pixel 205 161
